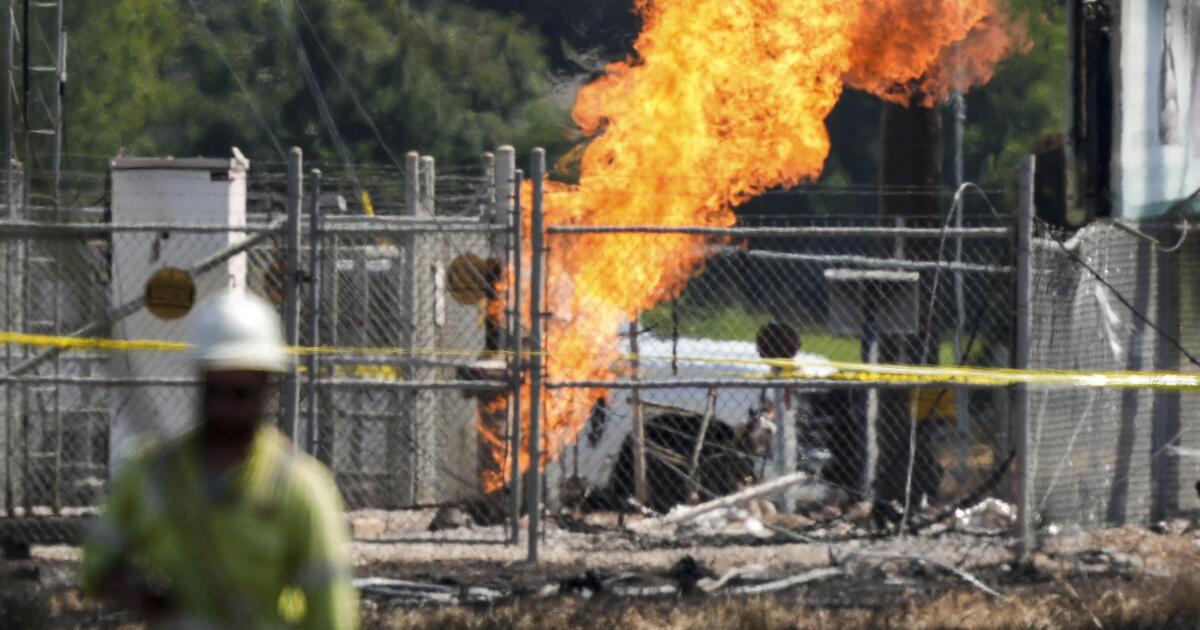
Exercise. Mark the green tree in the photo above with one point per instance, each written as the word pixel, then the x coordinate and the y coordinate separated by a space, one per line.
pixel 1026 100
pixel 163 78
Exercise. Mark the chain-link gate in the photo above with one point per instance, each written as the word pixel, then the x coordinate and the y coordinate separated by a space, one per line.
pixel 85 383
pixel 399 368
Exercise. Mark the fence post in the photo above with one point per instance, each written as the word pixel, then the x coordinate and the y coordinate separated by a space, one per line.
pixel 516 366
pixel 291 290
pixel 502 166
pixel 1020 392
pixel 640 491
pixel 314 306
pixel 537 173
pixel 404 468
pixel 424 422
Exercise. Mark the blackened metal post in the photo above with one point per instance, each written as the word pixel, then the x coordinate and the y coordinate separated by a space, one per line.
pixel 314 307
pixel 1021 355
pixel 291 290
pixel 537 173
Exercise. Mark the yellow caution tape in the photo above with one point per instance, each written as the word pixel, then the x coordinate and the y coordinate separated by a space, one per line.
pixel 915 375
pixel 89 343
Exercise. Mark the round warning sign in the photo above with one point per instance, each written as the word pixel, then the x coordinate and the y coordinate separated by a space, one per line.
pixel 467 279
pixel 777 341
pixel 170 293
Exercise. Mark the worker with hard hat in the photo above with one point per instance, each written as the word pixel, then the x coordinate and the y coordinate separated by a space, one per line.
pixel 226 526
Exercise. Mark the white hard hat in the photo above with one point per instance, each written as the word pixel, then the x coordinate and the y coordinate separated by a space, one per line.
pixel 238 331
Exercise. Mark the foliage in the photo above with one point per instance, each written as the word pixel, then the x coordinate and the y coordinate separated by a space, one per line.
pixel 1025 101
pixel 448 78
pixel 161 78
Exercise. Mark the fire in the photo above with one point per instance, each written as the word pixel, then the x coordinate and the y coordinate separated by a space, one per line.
pixel 723 100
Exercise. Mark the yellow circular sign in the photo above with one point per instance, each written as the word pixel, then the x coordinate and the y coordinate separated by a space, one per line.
pixel 467 279
pixel 170 293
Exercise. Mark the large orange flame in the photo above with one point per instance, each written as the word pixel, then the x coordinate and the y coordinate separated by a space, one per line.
pixel 723 100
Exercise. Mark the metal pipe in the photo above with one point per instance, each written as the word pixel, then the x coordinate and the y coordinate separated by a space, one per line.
pixel 314 307
pixel 18 230
pixel 350 356
pixel 334 225
pixel 515 370
pixel 487 162
pixel 868 261
pixel 432 222
pixel 424 403
pixel 480 386
pixel 401 228
pixel 409 318
pixel 537 172
pixel 799 385
pixel 291 291
pixel 765 232
pixel 428 188
pixel 328 383
pixel 100 381
pixel 505 200
pixel 1021 357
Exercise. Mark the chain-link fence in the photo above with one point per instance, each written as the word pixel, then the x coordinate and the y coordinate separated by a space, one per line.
pixel 1113 297
pixel 73 405
pixel 399 361
pixel 678 365
pixel 693 412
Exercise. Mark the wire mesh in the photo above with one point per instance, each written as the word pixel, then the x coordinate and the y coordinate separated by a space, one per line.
pixel 1111 298
pixel 686 363
pixel 73 411
pixel 412 379
pixel 405 356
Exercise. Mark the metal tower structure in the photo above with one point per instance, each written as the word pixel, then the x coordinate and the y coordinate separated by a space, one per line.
pixel 37 75
pixel 35 81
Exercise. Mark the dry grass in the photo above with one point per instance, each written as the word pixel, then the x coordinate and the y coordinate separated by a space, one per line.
pixel 1158 604
pixel 1146 604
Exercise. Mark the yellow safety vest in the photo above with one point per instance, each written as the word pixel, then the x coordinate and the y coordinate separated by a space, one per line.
pixel 265 547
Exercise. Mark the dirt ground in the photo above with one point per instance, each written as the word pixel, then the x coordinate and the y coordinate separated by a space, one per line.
pixel 1119 578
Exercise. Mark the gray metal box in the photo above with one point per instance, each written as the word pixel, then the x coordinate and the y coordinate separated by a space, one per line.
pixel 893 295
